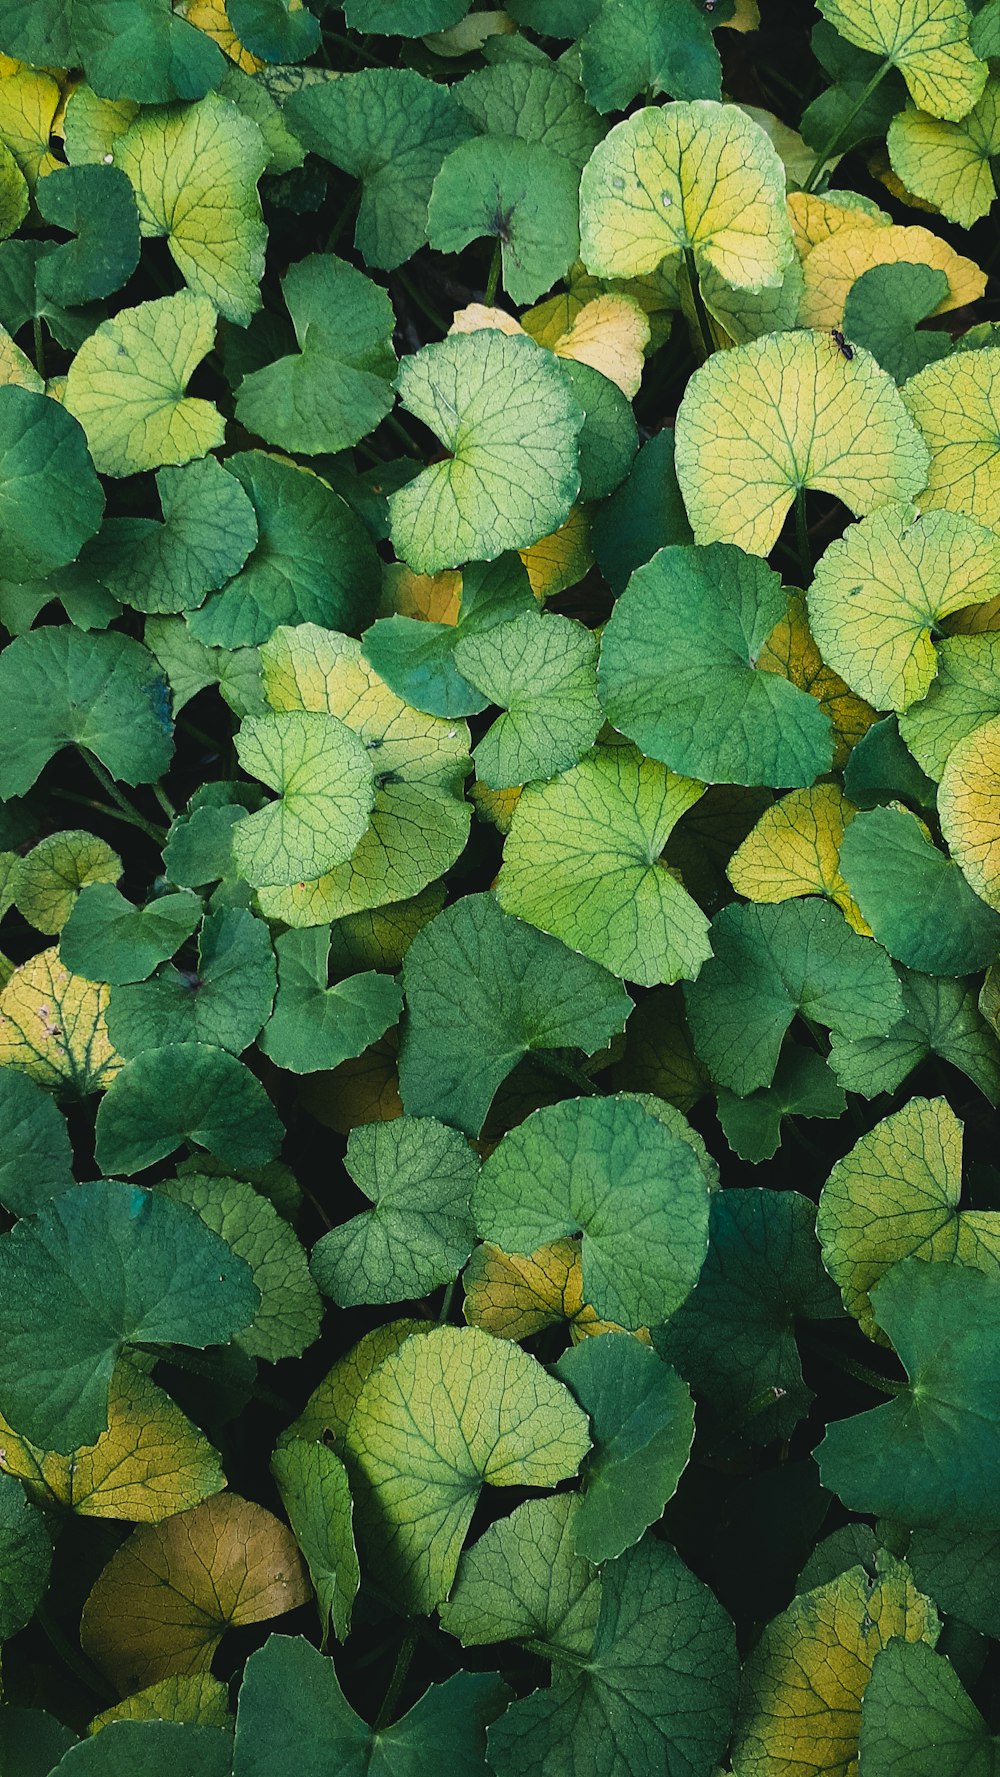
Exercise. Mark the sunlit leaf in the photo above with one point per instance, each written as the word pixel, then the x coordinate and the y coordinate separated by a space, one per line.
pixel 969 811
pixel 956 405
pixel 948 164
pixel 50 878
pixel 524 1581
pixel 316 1495
pixel 323 775
pixel 53 1027
pixel 834 266
pixel 195 1697
pixel 927 40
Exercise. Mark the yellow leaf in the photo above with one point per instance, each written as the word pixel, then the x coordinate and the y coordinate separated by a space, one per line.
pixel 53 1026
pixel 697 176
pixel 787 412
pixel 199 1698
pixel 927 40
pixel 325 1416
pixel 91 125
pixel 211 17
pixel 29 100
pixel 436 598
pixel 557 562
pixel 168 1594
pixel 804 1681
pixel 150 1463
pixel 832 268
pixel 791 651
pixel 879 168
pixel 610 333
pixel 795 850
pixel 496 806
pixel 477 316
pixel 882 590
pixel 969 809
pixel 512 1296
pixel 949 164
pixel 17 370
pixel 814 219
pixel 895 1196
pixel 363 1090
pixel 956 404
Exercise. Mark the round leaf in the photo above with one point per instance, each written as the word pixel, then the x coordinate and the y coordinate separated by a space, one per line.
pixel 224 1000
pixel 323 774
pixel 188 1092
pixel 53 1027
pixel 956 405
pixel 927 40
pixel 524 1581
pixel 915 900
pixel 541 671
pixel 523 195
pixel 44 467
pixel 968 808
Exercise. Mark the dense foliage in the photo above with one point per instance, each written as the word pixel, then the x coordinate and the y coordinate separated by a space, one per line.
pixel 500 881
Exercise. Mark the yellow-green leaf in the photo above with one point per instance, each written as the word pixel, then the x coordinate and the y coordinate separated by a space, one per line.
pixel 949 164
pixel 832 268
pixel 927 40
pixel 794 850
pixel 956 405
pixel 969 809
pixel 53 1026
pixel 786 412
pixel 198 1698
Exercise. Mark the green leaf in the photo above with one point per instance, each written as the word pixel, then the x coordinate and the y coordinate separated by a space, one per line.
pixel 519 193
pixel 104 693
pixel 404 18
pixel 418 1174
pixel 584 861
pixel 44 467
pixel 50 878
pixel 759 423
pixel 542 672
pixel 14 197
pixel 524 1581
pixel 534 102
pixel 275 30
pixel 152 55
pixel 313 563
pixel 106 938
pixel 492 399
pixel 642 1423
pixel 391 129
pixel 895 1196
pixel 99 1268
pixel 803 1086
pixel 916 899
pixel 880 770
pixel 642 515
pixel 290 1698
pixel 881 592
pixel 36 1158
pixel 419 823
pixel 288 1319
pixel 915 1711
pixel 415 655
pixel 224 1000
pixel 965 694
pixel 482 991
pixel 323 775
pixel 32 1742
pixel 316 1496
pixel 608 1168
pixel 940 1017
pixel 126 386
pixel 734 1338
pixel 96 204
pixel 25 1557
pixel 656 1694
pixel 315 1026
pixel 703 707
pixel 927 40
pixel 194 172
pixel 688 177
pixel 928 1456
pixel 883 309
pixel 610 437
pixel 949 164
pixel 650 46
pixel 448 1411
pixel 804 1682
pixel 188 1092
pixel 770 962
pixel 145 1748
pixel 209 528
pixel 338 386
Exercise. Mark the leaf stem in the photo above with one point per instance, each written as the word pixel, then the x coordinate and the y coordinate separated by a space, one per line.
pixel 398 1678
pixel 164 801
pixel 105 808
pixel 698 301
pixel 36 329
pixel 552 1064
pixel 493 279
pixel 446 1301
pixel 833 142
pixel 802 537
pixel 121 802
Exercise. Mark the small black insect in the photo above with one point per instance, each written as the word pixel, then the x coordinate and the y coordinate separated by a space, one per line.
pixel 846 351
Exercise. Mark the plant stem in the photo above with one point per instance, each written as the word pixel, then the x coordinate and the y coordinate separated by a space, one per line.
pixel 802 537
pixel 398 1678
pixel 164 801
pixel 397 426
pixel 446 1301
pixel 833 142
pixel 108 784
pixel 415 295
pixel 494 275
pixel 870 1378
pixel 36 328
pixel 701 313
pixel 113 814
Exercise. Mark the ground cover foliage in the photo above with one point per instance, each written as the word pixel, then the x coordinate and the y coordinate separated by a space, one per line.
pixel 500 888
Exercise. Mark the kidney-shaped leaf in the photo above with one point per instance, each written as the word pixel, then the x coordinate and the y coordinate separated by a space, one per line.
pixel 45 468
pixel 915 899
pixel 927 40
pixel 969 810
pixel 104 1266
pixel 323 773
pixel 524 1581
pixel 786 412
pixel 185 1092
pixel 609 1168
